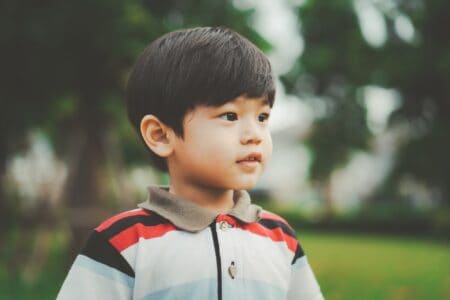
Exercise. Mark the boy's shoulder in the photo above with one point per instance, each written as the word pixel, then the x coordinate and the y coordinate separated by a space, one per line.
pixel 278 229
pixel 268 215
pixel 125 229
pixel 124 218
pixel 274 220
pixel 284 230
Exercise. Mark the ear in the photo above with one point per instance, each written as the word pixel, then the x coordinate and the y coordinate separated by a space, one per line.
pixel 158 136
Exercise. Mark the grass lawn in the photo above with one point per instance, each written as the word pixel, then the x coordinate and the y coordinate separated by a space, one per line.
pixel 367 267
pixel 347 267
pixel 31 285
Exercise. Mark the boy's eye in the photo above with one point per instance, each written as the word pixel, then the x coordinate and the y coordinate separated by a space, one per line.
pixel 229 116
pixel 263 117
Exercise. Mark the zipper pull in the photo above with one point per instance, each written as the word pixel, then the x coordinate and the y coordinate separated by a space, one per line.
pixel 232 270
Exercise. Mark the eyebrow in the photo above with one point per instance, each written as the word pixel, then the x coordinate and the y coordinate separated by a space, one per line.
pixel 266 101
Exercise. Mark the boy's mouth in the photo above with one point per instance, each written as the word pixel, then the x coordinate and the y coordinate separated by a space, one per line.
pixel 252 157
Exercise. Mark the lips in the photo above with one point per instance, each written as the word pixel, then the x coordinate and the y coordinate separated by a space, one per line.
pixel 252 157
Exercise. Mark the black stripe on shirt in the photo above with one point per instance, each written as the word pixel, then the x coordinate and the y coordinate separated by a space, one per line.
pixel 122 224
pixel 99 249
pixel 273 224
pixel 298 253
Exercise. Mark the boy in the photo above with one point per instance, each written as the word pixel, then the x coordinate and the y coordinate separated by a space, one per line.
pixel 200 99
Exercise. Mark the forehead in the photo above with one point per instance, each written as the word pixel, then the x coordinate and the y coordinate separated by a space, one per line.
pixel 239 102
pixel 242 100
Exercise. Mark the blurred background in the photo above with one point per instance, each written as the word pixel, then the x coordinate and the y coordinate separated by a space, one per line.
pixel 361 129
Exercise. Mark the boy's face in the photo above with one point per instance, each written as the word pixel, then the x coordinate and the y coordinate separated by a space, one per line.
pixel 225 147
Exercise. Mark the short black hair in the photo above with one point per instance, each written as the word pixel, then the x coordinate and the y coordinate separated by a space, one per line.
pixel 199 66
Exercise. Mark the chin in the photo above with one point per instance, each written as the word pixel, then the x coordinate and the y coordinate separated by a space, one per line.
pixel 245 185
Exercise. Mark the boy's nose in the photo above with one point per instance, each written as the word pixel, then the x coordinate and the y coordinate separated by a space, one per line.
pixel 251 135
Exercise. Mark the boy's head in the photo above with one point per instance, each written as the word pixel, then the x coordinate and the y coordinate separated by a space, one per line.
pixel 201 67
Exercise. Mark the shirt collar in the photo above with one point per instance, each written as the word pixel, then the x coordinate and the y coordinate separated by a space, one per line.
pixel 192 217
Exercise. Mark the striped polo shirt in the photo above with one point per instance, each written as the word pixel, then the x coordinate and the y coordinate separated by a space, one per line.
pixel 170 248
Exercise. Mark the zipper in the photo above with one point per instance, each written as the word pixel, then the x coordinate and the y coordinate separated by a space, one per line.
pixel 218 261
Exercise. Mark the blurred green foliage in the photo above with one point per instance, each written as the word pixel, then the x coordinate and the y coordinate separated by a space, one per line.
pixel 64 70
pixel 65 66
pixel 65 63
pixel 338 61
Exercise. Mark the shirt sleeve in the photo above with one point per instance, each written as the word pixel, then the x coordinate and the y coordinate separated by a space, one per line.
pixel 98 272
pixel 303 284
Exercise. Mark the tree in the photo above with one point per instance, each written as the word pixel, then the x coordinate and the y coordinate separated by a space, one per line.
pixel 337 61
pixel 65 69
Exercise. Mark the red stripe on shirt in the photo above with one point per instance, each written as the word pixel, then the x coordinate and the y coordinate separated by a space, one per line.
pixel 131 235
pixel 275 234
pixel 118 217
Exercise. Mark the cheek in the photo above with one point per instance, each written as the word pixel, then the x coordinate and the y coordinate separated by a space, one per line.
pixel 268 147
pixel 210 146
pixel 219 148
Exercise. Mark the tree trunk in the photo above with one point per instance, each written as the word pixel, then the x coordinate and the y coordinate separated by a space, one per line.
pixel 85 204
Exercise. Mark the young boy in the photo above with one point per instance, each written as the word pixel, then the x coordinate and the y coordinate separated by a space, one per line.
pixel 200 99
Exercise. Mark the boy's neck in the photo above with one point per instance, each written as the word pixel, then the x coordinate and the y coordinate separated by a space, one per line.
pixel 217 200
